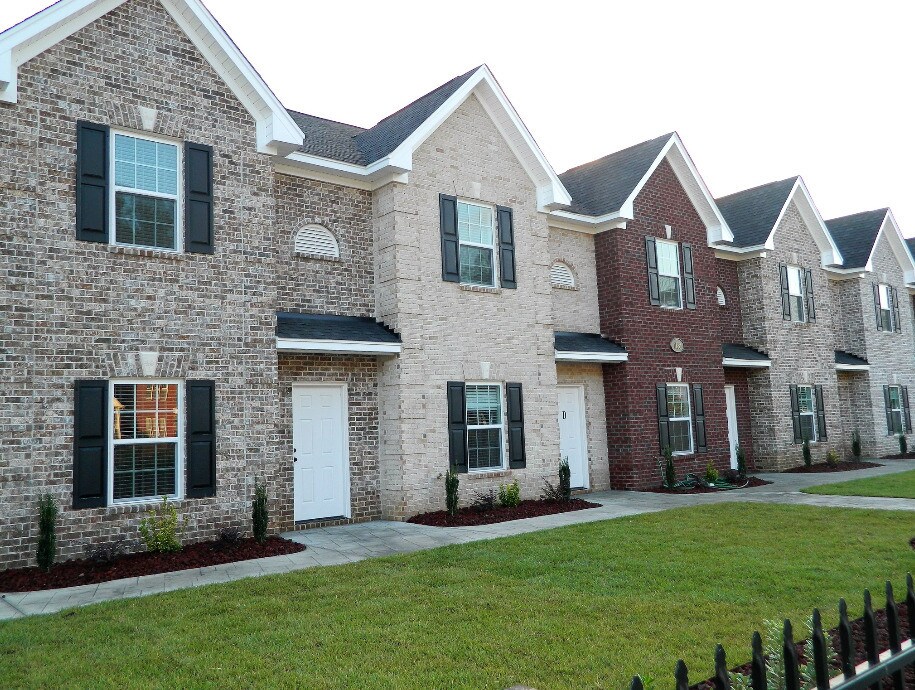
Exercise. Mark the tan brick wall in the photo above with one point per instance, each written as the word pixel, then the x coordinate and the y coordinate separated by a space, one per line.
pixel 575 309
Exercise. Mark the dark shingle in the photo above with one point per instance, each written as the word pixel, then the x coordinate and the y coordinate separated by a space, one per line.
pixel 735 351
pixel 329 139
pixel 602 186
pixel 752 213
pixel 843 357
pixel 568 341
pixel 910 241
pixel 855 235
pixel 333 327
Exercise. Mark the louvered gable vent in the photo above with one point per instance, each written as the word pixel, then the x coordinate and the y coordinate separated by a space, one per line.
pixel 317 241
pixel 561 275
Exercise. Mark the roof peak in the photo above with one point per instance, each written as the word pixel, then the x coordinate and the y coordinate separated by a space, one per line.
pixel 605 157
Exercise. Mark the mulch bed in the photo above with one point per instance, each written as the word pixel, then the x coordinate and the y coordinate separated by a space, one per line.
pixel 199 555
pixel 857 629
pixel 469 517
pixel 898 456
pixel 840 467
pixel 750 482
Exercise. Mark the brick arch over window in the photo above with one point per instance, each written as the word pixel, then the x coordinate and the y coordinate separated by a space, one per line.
pixel 316 240
pixel 562 274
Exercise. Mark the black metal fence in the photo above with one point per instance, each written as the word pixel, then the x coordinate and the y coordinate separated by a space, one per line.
pixel 877 666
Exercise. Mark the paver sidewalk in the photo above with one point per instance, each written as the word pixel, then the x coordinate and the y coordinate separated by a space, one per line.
pixel 351 543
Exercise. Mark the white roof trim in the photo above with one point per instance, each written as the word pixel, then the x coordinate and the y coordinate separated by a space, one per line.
pixel 602 357
pixel 829 252
pixel 353 347
pixel 890 229
pixel 746 363
pixel 853 367
pixel 277 133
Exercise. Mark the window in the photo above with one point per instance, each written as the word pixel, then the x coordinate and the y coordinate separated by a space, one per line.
pixel 668 273
pixel 807 407
pixel 894 409
pixel 561 275
pixel 680 421
pixel 145 451
pixel 476 235
pixel 722 302
pixel 484 427
pixel 796 293
pixel 145 192
pixel 317 241
pixel 886 308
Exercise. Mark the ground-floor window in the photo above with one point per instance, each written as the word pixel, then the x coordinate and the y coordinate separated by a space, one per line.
pixel 894 409
pixel 146 454
pixel 680 427
pixel 484 426
pixel 806 404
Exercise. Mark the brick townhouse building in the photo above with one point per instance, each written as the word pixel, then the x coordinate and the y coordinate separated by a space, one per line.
pixel 202 289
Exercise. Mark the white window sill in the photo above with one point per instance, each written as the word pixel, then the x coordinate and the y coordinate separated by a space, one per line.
pixel 317 257
pixel 573 288
pixel 146 252
pixel 480 288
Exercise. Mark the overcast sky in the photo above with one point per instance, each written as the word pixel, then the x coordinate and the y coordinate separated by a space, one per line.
pixel 758 91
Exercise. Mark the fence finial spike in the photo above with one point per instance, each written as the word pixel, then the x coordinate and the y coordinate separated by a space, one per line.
pixel 758 665
pixel 681 674
pixel 820 659
pixel 789 652
pixel 910 604
pixel 722 677
pixel 846 642
pixel 636 683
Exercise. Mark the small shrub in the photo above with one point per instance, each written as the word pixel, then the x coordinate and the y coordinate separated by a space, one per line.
pixel 451 492
pixel 903 444
pixel 229 537
pixel 773 652
pixel 510 495
pixel 260 518
pixel 160 529
pixel 711 474
pixel 741 462
pixel 485 500
pixel 670 474
pixel 832 458
pixel 808 459
pixel 551 492
pixel 856 444
pixel 47 532
pixel 565 480
pixel 107 552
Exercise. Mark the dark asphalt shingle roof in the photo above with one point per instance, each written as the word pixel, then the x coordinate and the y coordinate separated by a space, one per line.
pixel 910 241
pixel 843 357
pixel 735 351
pixel 351 144
pixel 569 341
pixel 752 213
pixel 333 327
pixel 602 186
pixel 855 235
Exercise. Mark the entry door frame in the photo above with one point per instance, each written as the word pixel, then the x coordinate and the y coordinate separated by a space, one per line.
pixel 344 425
pixel 730 395
pixel 586 460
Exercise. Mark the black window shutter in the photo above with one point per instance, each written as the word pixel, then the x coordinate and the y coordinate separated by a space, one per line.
pixel 90 444
pixel 447 210
pixel 689 280
pixel 877 306
pixel 517 458
pixel 905 408
pixel 821 413
pixel 201 438
pixel 91 182
pixel 457 426
pixel 663 418
pixel 808 296
pixel 886 406
pixel 699 411
pixel 786 295
pixel 198 201
pixel 506 247
pixel 651 259
pixel 795 414
pixel 897 325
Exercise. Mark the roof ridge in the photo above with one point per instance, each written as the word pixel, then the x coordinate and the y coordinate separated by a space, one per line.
pixel 884 211
pixel 757 187
pixel 614 153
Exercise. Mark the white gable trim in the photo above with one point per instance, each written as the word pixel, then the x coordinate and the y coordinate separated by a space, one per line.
pixel 890 229
pixel 829 252
pixel 277 133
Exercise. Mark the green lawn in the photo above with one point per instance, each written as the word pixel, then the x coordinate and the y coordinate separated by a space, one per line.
pixel 901 485
pixel 585 606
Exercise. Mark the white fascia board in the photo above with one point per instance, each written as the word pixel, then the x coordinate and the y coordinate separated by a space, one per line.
pixel 602 357
pixel 840 274
pixel 353 347
pixel 740 253
pixel 746 363
pixel 314 167
pixel 829 251
pixel 890 229
pixel 566 220
pixel 853 367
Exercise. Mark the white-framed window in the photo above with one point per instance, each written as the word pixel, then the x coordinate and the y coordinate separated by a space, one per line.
pixel 317 240
pixel 145 451
pixel 145 198
pixel 561 275
pixel 485 421
pixel 680 422
pixel 886 307
pixel 722 300
pixel 897 421
pixel 806 404
pixel 669 273
pixel 477 236
pixel 796 293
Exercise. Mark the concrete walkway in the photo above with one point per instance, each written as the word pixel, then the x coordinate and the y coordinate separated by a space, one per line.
pixel 351 543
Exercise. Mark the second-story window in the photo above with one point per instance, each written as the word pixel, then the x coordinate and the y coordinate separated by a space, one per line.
pixel 885 320
pixel 145 192
pixel 796 293
pixel 668 274
pixel 476 234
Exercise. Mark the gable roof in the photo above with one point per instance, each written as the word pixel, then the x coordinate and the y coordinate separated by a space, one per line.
pixel 333 327
pixel 277 132
pixel 570 341
pixel 604 190
pixel 856 235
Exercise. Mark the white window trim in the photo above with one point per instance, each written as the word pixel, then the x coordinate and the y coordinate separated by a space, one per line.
pixel 883 292
pixel 179 443
pixel 688 418
pixel 899 409
pixel 678 277
pixel 503 437
pixel 812 413
pixel 491 247
pixel 801 280
pixel 114 189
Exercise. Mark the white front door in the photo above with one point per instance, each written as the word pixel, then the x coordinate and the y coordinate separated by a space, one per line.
pixel 730 399
pixel 320 453
pixel 572 442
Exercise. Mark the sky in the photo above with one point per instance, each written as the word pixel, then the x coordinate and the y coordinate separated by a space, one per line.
pixel 759 91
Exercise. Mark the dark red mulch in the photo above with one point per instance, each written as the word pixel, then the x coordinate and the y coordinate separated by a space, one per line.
pixel 199 555
pixel 857 629
pixel 841 467
pixel 898 456
pixel 468 517
pixel 750 482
